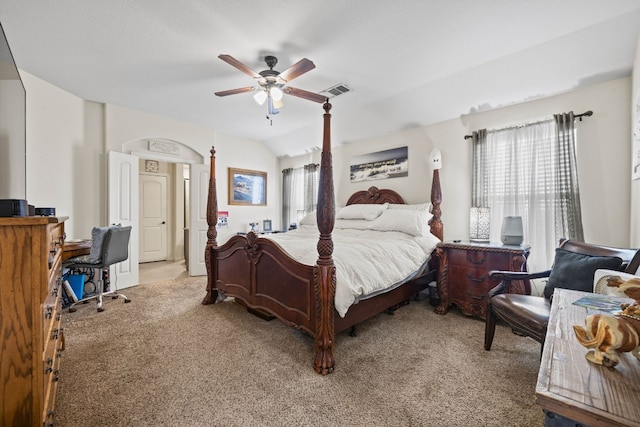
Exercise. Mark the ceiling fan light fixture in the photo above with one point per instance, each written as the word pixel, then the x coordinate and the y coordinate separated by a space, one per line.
pixel 260 97
pixel 276 93
pixel 271 84
pixel 272 108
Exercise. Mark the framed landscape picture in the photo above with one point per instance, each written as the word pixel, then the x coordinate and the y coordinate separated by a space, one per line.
pixel 247 187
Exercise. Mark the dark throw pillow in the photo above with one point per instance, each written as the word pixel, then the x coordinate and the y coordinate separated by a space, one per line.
pixel 575 271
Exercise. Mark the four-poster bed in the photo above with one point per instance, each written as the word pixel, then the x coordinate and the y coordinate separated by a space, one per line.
pixel 262 276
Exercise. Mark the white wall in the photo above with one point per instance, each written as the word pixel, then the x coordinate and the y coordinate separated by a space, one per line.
pixel 64 155
pixel 124 125
pixel 67 144
pixel 603 157
pixel 635 185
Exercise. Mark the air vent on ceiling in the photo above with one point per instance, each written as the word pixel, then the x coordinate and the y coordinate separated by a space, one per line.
pixel 312 149
pixel 336 90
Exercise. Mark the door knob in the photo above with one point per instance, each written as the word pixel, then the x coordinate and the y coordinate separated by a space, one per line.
pixel 164 222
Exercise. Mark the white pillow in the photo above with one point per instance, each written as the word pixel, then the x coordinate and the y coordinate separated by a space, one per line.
pixel 425 208
pixel 354 224
pixel 309 219
pixel 600 279
pixel 416 207
pixel 367 211
pixel 413 222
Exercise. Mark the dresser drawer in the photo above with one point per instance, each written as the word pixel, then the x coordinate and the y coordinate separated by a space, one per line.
pixel 53 347
pixel 51 366
pixel 479 259
pixel 471 284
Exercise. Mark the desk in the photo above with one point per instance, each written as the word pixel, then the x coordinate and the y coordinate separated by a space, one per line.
pixel 75 248
pixel 571 388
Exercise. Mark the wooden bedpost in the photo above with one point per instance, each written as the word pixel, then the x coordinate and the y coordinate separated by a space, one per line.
pixel 324 271
pixel 212 231
pixel 436 197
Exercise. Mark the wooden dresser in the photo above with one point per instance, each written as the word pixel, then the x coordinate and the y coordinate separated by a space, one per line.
pixel 463 277
pixel 30 311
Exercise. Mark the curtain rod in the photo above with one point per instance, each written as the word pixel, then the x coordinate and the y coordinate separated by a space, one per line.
pixel 575 116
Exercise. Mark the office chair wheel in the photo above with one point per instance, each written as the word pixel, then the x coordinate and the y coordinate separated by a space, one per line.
pixel 100 309
pixel 127 301
pixel 72 310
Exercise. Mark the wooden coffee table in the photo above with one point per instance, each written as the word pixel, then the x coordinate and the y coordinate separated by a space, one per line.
pixel 570 389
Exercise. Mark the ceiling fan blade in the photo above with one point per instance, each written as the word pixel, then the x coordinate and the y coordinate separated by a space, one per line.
pixel 239 65
pixel 235 91
pixel 297 69
pixel 316 97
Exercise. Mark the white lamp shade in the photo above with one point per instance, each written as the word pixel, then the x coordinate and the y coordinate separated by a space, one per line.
pixel 276 93
pixel 260 97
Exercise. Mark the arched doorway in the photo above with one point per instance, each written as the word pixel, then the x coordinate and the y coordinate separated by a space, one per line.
pixel 177 163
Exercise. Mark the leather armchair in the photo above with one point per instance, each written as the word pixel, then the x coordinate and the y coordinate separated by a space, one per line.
pixel 528 315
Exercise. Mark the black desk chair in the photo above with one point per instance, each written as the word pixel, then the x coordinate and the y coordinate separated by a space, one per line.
pixel 114 249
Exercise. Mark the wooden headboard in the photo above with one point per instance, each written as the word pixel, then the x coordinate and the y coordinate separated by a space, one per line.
pixel 374 195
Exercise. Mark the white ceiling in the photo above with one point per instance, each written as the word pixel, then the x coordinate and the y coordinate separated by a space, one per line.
pixel 407 62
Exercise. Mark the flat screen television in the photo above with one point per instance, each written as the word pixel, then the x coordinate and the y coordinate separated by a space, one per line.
pixel 13 141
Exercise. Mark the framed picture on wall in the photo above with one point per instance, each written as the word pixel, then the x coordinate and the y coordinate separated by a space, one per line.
pixel 393 163
pixel 247 187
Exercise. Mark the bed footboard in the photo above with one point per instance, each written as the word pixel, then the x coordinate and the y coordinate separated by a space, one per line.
pixel 263 277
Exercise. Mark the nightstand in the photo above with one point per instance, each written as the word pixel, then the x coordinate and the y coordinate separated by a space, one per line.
pixel 463 278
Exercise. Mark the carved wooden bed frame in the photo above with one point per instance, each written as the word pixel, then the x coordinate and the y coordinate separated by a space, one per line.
pixel 257 272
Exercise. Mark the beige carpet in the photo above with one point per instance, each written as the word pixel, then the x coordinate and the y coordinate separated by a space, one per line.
pixel 166 360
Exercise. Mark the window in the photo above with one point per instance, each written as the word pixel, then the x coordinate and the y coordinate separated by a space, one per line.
pixel 530 171
pixel 299 193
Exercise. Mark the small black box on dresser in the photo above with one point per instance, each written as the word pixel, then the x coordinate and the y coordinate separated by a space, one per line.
pixel 13 207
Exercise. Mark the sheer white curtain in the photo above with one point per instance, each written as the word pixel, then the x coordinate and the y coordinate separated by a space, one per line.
pixel 530 171
pixel 292 202
pixel 520 174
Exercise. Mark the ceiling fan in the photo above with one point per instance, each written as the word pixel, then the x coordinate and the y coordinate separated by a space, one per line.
pixel 272 84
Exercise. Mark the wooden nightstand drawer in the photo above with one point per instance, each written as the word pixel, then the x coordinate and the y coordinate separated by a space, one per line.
pixel 480 259
pixel 464 273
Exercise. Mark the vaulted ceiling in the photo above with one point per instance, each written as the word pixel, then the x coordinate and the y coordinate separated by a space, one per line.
pixel 407 63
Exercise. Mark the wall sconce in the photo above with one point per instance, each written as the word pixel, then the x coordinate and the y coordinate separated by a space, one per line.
pixel 479 224
pixel 511 233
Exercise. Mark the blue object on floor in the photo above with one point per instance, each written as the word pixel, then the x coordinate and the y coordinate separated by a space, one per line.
pixel 77 284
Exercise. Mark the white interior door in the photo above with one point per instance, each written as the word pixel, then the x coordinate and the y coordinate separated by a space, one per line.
pixel 123 209
pixel 198 190
pixel 153 218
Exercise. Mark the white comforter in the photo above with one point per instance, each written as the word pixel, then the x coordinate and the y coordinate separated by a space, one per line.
pixel 366 261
